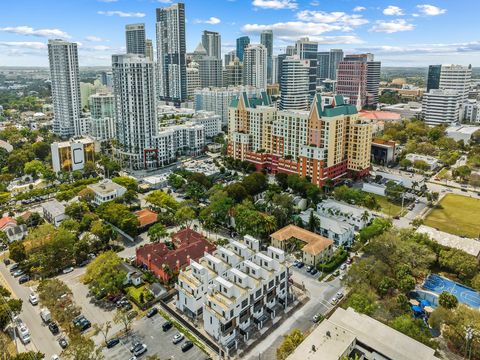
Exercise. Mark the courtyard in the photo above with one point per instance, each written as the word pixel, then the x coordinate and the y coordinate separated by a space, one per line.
pixel 456 214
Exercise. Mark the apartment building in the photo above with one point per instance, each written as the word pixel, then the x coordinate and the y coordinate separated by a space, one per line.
pixel 72 155
pixel 329 142
pixel 235 290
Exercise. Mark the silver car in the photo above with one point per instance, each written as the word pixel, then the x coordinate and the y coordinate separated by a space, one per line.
pixel 177 338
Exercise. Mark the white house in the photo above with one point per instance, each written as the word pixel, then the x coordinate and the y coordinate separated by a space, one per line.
pixel 106 190
pixel 54 212
pixel 354 215
pixel 16 233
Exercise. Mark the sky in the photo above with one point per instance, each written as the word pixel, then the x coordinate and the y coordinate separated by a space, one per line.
pixel 399 33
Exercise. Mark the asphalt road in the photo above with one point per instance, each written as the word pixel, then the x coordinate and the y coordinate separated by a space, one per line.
pixel 41 338
pixel 149 332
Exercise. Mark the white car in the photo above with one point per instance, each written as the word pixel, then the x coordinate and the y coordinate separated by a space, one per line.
pixel 33 298
pixel 139 350
pixel 67 270
pixel 177 338
pixel 55 357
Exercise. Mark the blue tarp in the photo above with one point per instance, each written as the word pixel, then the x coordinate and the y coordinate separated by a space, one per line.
pixel 424 303
pixel 417 309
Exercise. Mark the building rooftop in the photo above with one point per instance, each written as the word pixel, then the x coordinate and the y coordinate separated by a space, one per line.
pixel 338 336
pixel 146 217
pixel 380 115
pixel 470 246
pixel 5 221
pixel 105 187
pixel 54 208
pixel 315 243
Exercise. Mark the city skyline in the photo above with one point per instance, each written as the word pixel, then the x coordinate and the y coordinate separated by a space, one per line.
pixel 413 33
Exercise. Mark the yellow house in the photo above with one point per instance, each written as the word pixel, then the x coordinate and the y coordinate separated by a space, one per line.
pixel 317 249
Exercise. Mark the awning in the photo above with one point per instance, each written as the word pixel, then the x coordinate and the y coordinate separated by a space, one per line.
pixel 417 309
pixel 424 303
pixel 428 309
pixel 414 302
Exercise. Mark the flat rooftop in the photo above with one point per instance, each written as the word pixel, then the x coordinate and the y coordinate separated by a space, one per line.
pixel 470 246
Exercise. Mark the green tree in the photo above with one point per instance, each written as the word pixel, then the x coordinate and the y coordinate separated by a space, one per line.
pixel 76 210
pixel 282 180
pixel 289 344
pixel 127 182
pixel 41 150
pixel 237 192
pixel 162 200
pixel 82 348
pixel 185 215
pixel 405 163
pixel 447 300
pixel 17 251
pixel 255 183
pixel 313 222
pixel 104 274
pixel 157 232
pixel 122 317
pixel 413 328
pixel 34 168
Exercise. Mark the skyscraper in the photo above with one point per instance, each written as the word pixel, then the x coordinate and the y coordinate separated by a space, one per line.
pixel 433 77
pixel 149 49
pixel 266 39
pixel 307 50
pixel 323 66
pixel 336 55
pixel 171 53
pixel 210 71
pixel 233 73
pixel 102 116
pixel 290 50
pixel 64 74
pixel 230 56
pixel 135 38
pixel 456 77
pixel 242 42
pixel 135 112
pixel 255 66
pixel 193 79
pixel 440 106
pixel 358 76
pixel 212 42
pixel 280 59
pixel 295 83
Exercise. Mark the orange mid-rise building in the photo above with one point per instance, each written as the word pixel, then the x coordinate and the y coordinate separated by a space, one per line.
pixel 331 141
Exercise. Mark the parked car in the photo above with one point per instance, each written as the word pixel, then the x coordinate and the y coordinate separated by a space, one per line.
pixel 317 318
pixel 187 345
pixel 135 344
pixel 343 266
pixel 33 298
pixel 67 270
pixel 167 326
pixel 63 342
pixel 314 271
pixel 300 265
pixel 334 301
pixel 53 327
pixel 55 357
pixel 23 279
pixel 339 295
pixel 112 342
pixel 81 323
pixel 177 338
pixel 18 272
pixel 152 312
pixel 139 350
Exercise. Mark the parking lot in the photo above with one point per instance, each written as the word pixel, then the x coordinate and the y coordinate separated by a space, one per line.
pixel 149 332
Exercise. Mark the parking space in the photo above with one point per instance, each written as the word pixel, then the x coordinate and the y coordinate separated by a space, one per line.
pixel 149 332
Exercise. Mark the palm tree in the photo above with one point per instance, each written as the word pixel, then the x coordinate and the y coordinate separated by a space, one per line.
pixel 365 216
pixel 313 222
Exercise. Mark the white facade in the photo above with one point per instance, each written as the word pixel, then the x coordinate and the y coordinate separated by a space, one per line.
pixel 102 116
pixel 211 122
pixel 72 155
pixel 136 120
pixel 441 107
pixel 471 111
pixel 212 42
pixel 218 100
pixel 356 216
pixel 235 289
pixel 193 79
pixel 54 212
pixel 432 162
pixel 295 82
pixel 106 190
pixel 255 66
pixel 64 73
pixel 292 128
pixel 456 77
pixel 135 39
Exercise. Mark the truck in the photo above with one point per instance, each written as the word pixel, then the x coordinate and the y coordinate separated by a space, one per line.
pixel 22 331
pixel 45 315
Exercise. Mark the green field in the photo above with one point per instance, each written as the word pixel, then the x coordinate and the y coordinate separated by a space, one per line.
pixel 387 207
pixel 456 214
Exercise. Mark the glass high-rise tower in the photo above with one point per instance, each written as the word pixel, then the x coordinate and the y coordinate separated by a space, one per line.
pixel 266 39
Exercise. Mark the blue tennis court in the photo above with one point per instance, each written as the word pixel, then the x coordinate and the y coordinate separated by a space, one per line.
pixel 465 295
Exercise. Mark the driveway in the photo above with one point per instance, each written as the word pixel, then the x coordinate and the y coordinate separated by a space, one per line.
pixel 320 294
pixel 149 332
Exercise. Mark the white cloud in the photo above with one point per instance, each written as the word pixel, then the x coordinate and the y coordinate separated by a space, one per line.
pixel 212 21
pixel 275 4
pixel 121 14
pixel 430 10
pixel 108 1
pixel 418 49
pixel 392 10
pixel 336 17
pixel 393 26
pixel 293 30
pixel 27 30
pixel 165 1
pixel 314 3
pixel 93 38
pixel 36 45
pixel 359 8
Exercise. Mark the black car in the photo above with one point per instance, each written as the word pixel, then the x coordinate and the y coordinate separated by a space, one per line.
pixel 63 343
pixel 313 271
pixel 53 327
pixel 23 279
pixel 112 342
pixel 152 312
pixel 187 345
pixel 81 323
pixel 167 326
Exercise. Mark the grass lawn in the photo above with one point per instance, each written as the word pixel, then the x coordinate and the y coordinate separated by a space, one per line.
pixel 387 207
pixel 442 174
pixel 135 292
pixel 456 215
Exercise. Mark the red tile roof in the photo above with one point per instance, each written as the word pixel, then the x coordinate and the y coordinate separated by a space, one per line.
pixel 379 115
pixel 189 245
pixel 146 217
pixel 7 221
